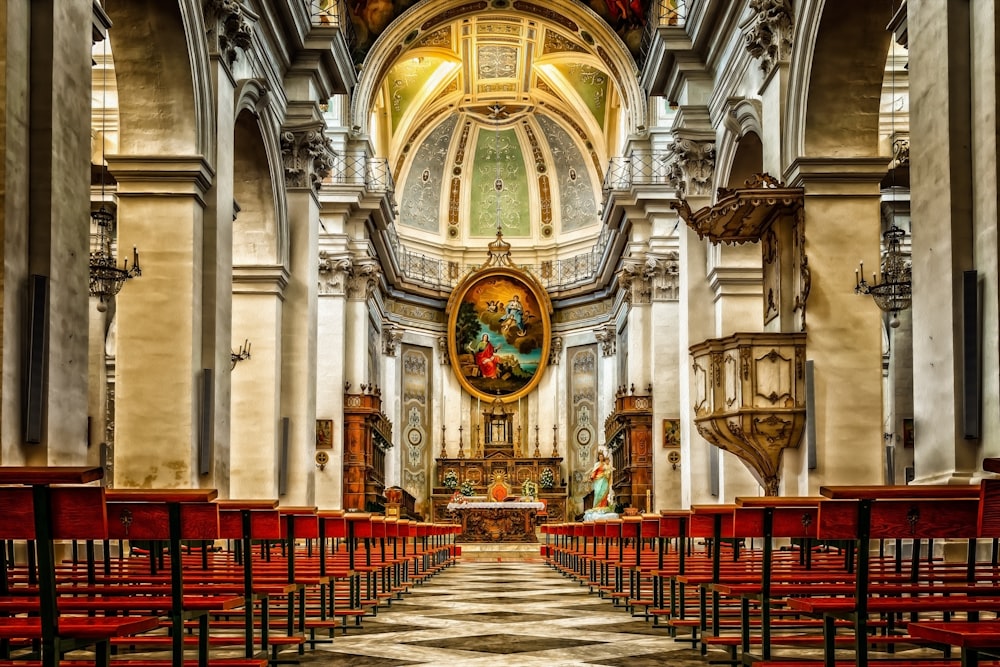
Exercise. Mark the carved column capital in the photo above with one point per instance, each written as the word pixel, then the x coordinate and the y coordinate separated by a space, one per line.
pixel 607 337
pixel 391 336
pixel 769 32
pixel 556 350
pixel 230 23
pixel 692 167
pixel 442 342
pixel 308 155
pixel 333 274
pixel 634 281
pixel 663 272
pixel 362 280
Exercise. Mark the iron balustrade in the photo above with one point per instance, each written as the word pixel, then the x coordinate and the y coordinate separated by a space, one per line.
pixel 662 14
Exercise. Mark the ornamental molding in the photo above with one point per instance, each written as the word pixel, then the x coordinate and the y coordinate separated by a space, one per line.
pixel 442 342
pixel 635 283
pixel 333 274
pixel 663 273
pixel 693 166
pixel 232 25
pixel 362 279
pixel 308 155
pixel 742 215
pixel 607 337
pixel 391 337
pixel 556 350
pixel 769 32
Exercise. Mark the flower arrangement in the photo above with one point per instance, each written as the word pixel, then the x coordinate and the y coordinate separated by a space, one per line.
pixel 547 478
pixel 529 489
pixel 467 488
pixel 450 479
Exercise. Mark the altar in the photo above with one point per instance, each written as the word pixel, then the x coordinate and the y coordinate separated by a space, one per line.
pixel 496 521
pixel 508 488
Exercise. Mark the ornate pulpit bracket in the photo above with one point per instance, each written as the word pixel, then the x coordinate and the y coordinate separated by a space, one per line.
pixel 749 398
pixel 765 211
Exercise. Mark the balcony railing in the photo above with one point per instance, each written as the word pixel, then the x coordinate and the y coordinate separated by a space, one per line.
pixel 637 168
pixel 662 13
pixel 333 14
pixel 556 276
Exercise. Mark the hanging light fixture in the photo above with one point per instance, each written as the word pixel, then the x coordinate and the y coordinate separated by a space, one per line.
pixel 891 291
pixel 106 277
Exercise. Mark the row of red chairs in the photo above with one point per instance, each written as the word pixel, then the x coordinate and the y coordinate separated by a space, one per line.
pixel 857 568
pixel 211 573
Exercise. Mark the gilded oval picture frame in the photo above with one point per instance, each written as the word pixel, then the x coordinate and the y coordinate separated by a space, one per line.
pixel 500 333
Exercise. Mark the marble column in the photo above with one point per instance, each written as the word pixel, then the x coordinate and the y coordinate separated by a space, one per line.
pixel 844 335
pixel 734 275
pixel 334 267
pixel 159 356
pixel 258 307
pixel 953 204
pixel 693 168
pixel 307 160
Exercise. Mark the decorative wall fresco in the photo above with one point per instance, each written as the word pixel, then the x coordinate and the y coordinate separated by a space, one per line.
pixel 627 18
pixel 583 420
pixel 417 431
pixel 420 203
pixel 499 190
pixel 577 203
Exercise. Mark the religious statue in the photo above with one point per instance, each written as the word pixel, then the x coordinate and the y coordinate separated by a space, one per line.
pixel 604 495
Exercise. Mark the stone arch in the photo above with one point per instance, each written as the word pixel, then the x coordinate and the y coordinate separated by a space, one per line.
pixel 166 102
pixel 741 152
pixel 407 27
pixel 835 82
pixel 260 230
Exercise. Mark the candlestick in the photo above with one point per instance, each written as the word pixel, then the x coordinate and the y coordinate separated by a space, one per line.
pixel 649 496
pixel 538 452
pixel 461 445
pixel 444 450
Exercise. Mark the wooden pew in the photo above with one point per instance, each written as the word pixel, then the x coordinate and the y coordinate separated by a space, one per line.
pixel 41 512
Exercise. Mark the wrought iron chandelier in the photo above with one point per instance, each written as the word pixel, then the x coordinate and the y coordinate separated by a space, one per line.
pixel 892 291
pixel 106 277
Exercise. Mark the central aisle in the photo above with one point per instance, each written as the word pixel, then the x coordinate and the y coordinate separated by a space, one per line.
pixel 503 614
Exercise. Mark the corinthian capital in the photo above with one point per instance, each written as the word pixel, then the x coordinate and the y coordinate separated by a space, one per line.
pixel 333 273
pixel 769 32
pixel 693 166
pixel 362 280
pixel 607 337
pixel 230 22
pixel 635 282
pixel 664 274
pixel 308 155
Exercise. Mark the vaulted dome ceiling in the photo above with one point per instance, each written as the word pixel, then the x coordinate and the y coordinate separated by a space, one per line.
pixel 504 116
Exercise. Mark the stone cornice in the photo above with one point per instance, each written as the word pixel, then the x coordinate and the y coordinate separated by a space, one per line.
pixel 260 280
pixel 837 176
pixel 171 175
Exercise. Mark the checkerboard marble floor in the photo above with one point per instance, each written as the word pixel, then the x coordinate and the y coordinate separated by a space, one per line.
pixel 510 614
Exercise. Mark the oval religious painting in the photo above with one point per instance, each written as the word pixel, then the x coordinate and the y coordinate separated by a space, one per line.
pixel 499 346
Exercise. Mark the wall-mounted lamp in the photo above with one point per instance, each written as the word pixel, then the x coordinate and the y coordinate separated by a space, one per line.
pixel 242 355
pixel 675 460
pixel 322 458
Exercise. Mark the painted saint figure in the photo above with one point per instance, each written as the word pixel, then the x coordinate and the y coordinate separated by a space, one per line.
pixel 514 314
pixel 485 356
pixel 600 475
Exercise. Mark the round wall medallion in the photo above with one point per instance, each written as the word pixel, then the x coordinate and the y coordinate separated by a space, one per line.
pixel 583 436
pixel 414 437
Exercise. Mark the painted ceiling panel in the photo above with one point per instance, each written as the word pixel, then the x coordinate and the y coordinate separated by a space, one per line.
pixel 420 204
pixel 499 187
pixel 406 81
pixel 591 84
pixel 576 189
